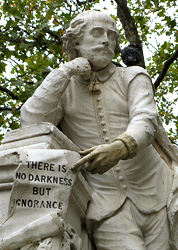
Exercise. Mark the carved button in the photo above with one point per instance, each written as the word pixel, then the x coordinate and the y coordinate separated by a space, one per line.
pixel 118 169
pixel 124 187
pixel 99 99
pixel 101 115
pixel 107 139
pixel 104 131
pixel 100 107
pixel 103 123
pixel 121 178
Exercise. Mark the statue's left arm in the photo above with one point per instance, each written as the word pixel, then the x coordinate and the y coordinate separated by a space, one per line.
pixel 139 134
pixel 142 112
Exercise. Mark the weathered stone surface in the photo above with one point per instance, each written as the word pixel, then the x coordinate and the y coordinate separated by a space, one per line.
pixel 42 185
pixel 43 133
pixel 109 112
pixel 28 181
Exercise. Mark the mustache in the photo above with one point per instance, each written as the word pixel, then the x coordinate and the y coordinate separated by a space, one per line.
pixel 102 47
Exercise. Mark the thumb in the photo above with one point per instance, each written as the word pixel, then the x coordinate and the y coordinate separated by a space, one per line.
pixel 87 151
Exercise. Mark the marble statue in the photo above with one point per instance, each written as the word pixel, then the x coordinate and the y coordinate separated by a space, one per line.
pixel 110 114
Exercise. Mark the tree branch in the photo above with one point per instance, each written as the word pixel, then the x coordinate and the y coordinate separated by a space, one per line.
pixel 10 109
pixel 129 26
pixel 84 2
pixel 9 92
pixel 18 66
pixel 53 34
pixel 5 109
pixel 165 68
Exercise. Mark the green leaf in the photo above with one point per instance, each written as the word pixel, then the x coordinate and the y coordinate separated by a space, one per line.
pixel 18 83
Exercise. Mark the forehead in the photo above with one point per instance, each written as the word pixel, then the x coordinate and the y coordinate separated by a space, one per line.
pixel 99 20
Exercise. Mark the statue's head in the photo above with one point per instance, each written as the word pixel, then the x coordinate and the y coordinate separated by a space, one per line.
pixel 92 35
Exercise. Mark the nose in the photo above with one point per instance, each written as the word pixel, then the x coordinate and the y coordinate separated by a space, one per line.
pixel 105 40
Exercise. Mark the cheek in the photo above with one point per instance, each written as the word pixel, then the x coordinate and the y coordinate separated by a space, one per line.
pixel 113 44
pixel 89 41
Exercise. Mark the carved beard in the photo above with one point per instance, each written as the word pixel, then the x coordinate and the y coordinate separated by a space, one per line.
pixel 99 56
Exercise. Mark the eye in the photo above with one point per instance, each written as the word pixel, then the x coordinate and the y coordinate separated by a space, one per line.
pixel 112 34
pixel 97 32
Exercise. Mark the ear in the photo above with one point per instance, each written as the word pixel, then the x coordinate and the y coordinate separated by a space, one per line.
pixel 76 44
pixel 77 48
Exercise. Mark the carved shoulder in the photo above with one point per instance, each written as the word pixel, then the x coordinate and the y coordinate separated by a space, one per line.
pixel 127 74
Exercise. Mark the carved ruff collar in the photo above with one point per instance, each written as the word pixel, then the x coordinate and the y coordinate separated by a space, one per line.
pixel 97 77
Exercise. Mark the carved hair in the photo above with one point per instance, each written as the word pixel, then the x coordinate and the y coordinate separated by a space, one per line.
pixel 75 32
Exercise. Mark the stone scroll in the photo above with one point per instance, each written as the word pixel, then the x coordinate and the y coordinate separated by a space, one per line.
pixel 40 196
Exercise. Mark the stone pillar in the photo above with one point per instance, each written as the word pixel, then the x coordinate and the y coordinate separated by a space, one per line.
pixel 27 181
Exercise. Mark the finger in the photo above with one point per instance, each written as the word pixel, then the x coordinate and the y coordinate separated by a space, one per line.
pixel 87 151
pixel 98 169
pixel 103 170
pixel 85 159
pixel 98 166
pixel 93 166
pixel 90 169
pixel 95 171
pixel 75 167
pixel 87 164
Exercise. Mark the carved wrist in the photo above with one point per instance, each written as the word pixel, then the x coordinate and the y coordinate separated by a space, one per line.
pixel 130 143
pixel 67 71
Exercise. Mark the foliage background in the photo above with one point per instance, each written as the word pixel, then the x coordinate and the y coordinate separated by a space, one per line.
pixel 31 46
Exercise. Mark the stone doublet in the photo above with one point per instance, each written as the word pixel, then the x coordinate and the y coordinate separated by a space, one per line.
pixel 101 116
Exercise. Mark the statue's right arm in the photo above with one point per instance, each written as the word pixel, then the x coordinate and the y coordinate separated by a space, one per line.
pixel 42 106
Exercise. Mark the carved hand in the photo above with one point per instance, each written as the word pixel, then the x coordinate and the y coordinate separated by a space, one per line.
pixel 79 66
pixel 100 159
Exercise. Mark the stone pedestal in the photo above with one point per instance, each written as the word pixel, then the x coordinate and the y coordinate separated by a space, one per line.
pixel 45 136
